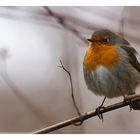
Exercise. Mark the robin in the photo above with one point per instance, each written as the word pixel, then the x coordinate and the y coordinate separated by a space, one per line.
pixel 110 66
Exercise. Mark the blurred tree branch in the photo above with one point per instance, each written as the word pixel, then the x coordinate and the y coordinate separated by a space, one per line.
pixel 62 21
pixel 41 18
pixel 134 100
pixel 4 54
pixel 122 20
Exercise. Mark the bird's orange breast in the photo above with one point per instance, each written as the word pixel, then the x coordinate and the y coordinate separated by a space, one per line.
pixel 101 55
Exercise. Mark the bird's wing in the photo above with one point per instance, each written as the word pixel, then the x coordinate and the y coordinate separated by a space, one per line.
pixel 132 57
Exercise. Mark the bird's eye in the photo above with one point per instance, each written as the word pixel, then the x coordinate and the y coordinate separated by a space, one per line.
pixel 105 40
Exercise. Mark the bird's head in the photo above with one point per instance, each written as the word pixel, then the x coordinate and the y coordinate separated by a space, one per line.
pixel 107 37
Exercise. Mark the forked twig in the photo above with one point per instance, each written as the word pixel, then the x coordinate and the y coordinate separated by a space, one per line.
pixel 72 93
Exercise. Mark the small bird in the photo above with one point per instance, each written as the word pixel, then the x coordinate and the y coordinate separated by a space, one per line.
pixel 110 66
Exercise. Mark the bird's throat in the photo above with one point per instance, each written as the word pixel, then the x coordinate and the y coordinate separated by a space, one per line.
pixel 101 55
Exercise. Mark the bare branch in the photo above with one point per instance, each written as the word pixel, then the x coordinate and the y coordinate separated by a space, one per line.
pixel 72 93
pixel 136 105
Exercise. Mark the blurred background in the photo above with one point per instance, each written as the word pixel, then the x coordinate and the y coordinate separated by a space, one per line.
pixel 34 91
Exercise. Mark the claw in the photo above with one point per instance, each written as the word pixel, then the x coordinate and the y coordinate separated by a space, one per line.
pixel 98 110
pixel 131 104
pixel 100 115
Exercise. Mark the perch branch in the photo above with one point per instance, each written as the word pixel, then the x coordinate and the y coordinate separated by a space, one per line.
pixel 136 106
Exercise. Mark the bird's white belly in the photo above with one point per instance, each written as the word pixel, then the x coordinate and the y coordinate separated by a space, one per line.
pixel 112 83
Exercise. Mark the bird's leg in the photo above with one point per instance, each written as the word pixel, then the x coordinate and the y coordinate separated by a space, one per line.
pixel 98 109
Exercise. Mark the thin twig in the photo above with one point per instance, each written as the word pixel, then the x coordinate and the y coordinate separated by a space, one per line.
pixel 135 100
pixel 72 93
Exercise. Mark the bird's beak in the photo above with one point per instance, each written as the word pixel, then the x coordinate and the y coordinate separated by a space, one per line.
pixel 90 40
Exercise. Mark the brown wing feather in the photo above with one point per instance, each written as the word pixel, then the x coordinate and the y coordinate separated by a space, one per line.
pixel 132 57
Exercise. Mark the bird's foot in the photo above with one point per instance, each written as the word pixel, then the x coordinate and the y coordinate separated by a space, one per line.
pixel 99 113
pixel 131 103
